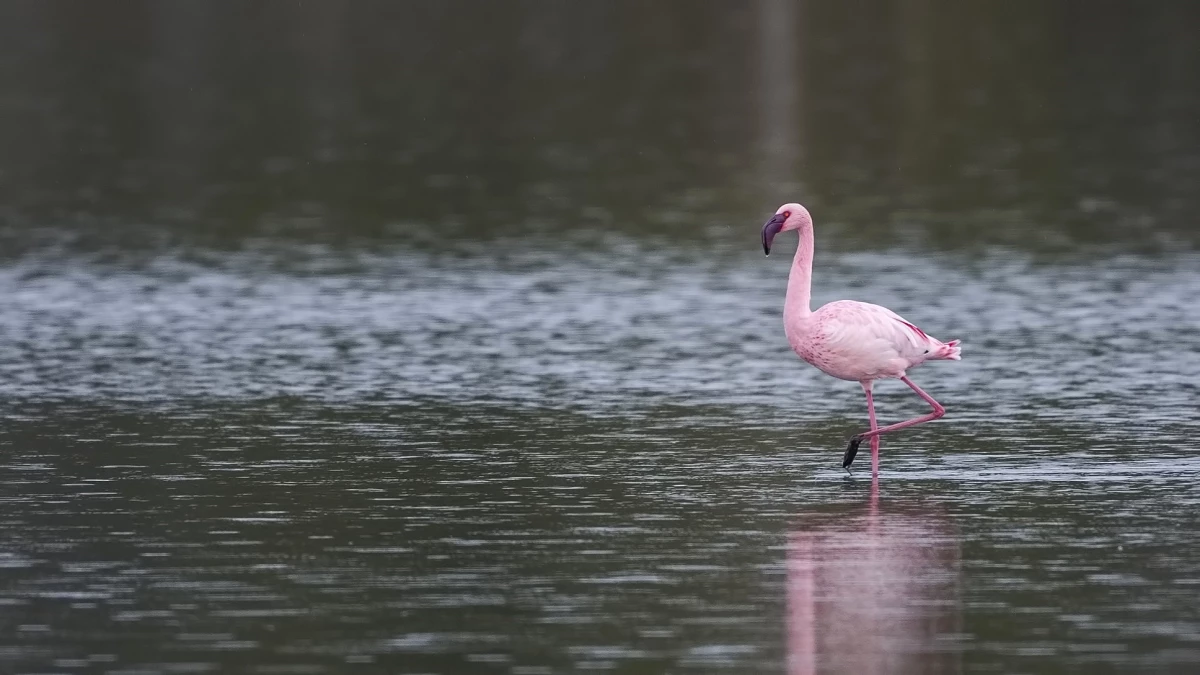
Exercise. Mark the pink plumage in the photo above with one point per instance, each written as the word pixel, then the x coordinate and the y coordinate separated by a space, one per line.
pixel 852 340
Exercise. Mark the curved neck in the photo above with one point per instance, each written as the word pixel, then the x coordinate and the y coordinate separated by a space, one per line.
pixel 799 290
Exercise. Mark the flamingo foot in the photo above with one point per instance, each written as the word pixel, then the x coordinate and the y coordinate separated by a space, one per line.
pixel 851 451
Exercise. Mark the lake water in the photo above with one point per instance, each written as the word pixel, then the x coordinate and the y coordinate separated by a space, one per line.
pixel 502 386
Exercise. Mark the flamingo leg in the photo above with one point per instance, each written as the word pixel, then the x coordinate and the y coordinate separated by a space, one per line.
pixel 853 449
pixel 874 427
pixel 875 432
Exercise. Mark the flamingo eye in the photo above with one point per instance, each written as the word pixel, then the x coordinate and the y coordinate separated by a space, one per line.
pixel 787 214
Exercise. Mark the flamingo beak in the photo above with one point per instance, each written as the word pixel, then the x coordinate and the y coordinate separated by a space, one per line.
pixel 772 228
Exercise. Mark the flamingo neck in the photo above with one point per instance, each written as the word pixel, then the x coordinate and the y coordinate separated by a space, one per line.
pixel 799 290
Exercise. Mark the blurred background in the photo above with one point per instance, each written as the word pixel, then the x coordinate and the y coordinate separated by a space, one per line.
pixel 1028 123
pixel 436 336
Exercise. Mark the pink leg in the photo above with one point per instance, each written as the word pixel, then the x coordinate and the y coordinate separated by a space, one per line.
pixel 874 433
pixel 874 425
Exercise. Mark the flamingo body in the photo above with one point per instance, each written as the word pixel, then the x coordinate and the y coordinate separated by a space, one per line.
pixel 852 340
pixel 859 341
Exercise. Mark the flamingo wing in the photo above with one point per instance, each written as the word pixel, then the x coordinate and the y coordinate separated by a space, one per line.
pixel 870 341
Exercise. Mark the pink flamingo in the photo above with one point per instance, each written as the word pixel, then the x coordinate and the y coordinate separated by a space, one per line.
pixel 851 340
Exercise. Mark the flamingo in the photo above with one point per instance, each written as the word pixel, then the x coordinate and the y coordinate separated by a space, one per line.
pixel 852 340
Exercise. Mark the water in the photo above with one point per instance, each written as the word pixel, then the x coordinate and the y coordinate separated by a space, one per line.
pixel 548 460
pixel 496 381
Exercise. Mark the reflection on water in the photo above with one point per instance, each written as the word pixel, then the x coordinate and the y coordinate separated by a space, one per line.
pixel 874 590
pixel 551 459
pixel 433 537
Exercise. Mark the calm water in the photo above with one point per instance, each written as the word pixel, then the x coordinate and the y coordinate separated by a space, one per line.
pixel 343 350
pixel 538 462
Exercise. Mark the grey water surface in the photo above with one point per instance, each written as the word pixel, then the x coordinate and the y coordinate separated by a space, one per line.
pixel 546 461
pixel 437 338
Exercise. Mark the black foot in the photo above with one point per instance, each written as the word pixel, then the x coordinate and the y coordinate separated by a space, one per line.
pixel 851 451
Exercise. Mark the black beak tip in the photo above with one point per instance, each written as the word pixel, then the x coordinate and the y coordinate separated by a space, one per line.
pixel 770 229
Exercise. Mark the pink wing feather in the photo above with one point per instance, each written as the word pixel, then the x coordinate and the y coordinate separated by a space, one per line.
pixel 858 340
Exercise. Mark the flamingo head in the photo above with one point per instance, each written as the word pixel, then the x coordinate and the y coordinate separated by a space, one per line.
pixel 788 217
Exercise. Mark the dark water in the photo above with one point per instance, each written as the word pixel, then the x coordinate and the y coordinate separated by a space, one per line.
pixel 405 338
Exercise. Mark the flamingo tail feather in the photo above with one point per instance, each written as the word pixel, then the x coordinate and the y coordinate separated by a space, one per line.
pixel 949 351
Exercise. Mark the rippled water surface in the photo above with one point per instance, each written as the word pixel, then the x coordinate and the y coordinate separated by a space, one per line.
pixel 541 461
pixel 412 337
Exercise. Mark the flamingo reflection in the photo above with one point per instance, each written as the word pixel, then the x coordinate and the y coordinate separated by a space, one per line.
pixel 874 592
